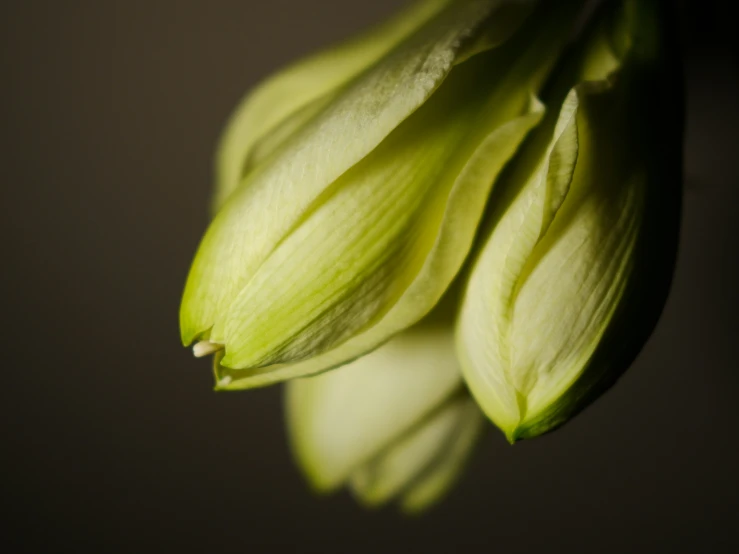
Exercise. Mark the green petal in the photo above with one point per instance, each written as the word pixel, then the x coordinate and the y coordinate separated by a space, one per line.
pixel 423 464
pixel 340 420
pixel 290 98
pixel 487 311
pixel 431 485
pixel 552 273
pixel 276 196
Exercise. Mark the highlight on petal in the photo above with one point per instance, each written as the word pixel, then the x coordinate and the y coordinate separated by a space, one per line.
pixel 542 326
pixel 284 102
pixel 396 423
pixel 294 280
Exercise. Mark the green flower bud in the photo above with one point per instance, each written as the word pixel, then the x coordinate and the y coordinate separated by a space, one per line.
pixel 351 185
pixel 575 269
pixel 396 424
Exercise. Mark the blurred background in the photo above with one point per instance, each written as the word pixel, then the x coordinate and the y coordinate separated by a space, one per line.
pixel 111 437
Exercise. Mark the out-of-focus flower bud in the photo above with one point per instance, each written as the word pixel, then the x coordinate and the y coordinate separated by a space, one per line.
pixel 397 424
pixel 353 183
pixel 576 265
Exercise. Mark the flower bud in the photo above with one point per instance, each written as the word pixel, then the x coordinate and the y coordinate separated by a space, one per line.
pixel 574 270
pixel 395 424
pixel 353 183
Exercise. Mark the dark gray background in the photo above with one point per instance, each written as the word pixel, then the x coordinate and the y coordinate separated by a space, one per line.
pixel 111 438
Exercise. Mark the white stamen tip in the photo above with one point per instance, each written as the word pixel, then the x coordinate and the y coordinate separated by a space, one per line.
pixel 205 348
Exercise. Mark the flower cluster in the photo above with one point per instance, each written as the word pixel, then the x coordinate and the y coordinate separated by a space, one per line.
pixel 467 213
